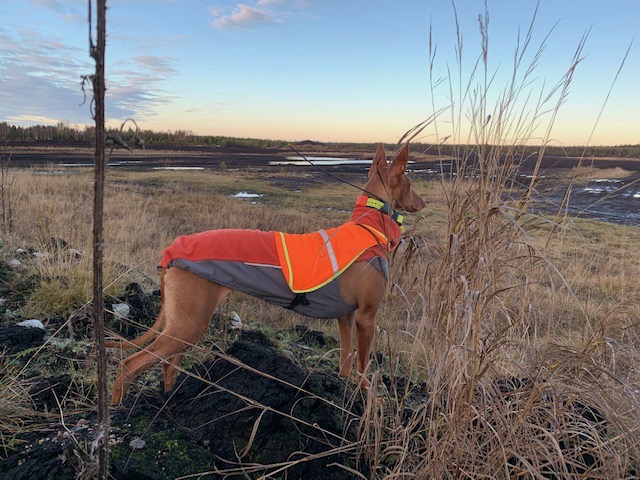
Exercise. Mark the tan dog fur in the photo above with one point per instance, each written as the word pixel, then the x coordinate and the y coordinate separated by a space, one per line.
pixel 189 301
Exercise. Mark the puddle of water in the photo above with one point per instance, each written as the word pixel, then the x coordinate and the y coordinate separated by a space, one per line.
pixel 322 161
pixel 246 195
pixel 110 164
pixel 605 180
pixel 178 168
pixel 600 186
pixel 595 190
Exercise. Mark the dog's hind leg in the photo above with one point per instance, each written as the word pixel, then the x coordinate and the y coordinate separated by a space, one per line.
pixel 188 304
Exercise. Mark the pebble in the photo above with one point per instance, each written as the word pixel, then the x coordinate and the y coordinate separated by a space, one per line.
pixel 121 310
pixel 33 323
pixel 236 321
pixel 15 263
pixel 137 444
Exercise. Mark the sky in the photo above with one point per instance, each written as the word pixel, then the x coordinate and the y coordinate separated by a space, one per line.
pixel 330 70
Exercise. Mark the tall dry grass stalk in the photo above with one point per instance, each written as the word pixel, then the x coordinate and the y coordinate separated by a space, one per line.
pixel 502 397
pixel 509 339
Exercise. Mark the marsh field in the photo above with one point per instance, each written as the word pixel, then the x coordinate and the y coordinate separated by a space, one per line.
pixel 507 344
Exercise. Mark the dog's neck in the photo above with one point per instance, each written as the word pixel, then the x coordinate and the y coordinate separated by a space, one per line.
pixel 364 201
pixel 379 215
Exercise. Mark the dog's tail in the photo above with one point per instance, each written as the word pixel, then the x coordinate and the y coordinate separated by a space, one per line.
pixel 150 334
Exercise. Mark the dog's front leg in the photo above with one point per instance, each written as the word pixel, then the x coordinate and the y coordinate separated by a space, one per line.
pixel 346 324
pixel 170 370
pixel 365 321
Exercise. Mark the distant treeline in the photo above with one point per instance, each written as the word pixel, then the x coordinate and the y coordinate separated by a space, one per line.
pixel 63 132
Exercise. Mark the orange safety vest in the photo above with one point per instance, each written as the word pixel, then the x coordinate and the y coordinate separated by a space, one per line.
pixel 312 260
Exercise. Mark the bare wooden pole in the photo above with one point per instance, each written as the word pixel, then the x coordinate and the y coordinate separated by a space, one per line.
pixel 97 51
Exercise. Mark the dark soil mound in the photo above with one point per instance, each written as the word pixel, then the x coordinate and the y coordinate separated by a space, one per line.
pixel 14 338
pixel 251 408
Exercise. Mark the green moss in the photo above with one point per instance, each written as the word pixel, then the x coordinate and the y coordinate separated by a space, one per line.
pixel 168 452
pixel 54 298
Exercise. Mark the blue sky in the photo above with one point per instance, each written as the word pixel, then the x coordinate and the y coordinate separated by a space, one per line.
pixel 329 70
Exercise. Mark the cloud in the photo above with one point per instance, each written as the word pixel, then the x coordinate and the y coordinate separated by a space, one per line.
pixel 160 66
pixel 40 78
pixel 245 16
pixel 136 89
pixel 216 11
pixel 256 14
pixel 69 10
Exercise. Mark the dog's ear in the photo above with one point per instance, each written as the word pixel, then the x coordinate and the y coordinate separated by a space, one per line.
pixel 379 161
pixel 399 164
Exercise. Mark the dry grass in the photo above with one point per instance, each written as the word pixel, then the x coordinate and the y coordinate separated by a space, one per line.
pixel 509 340
pixel 483 295
pixel 585 173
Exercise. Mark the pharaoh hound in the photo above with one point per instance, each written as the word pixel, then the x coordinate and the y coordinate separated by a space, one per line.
pixel 338 273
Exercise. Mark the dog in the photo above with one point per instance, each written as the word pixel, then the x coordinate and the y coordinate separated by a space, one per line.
pixel 336 273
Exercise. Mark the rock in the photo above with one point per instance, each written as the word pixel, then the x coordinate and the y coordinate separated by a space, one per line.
pixel 122 310
pixel 137 444
pixel 33 323
pixel 15 264
pixel 41 256
pixel 236 321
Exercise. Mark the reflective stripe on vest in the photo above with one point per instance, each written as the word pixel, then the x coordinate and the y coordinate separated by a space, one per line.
pixel 332 254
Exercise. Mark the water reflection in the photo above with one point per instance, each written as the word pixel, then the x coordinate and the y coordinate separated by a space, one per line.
pixel 322 161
